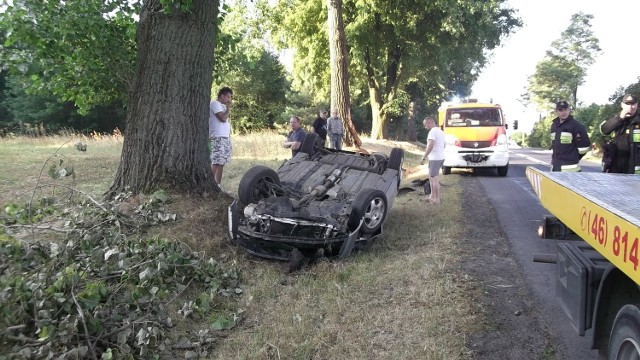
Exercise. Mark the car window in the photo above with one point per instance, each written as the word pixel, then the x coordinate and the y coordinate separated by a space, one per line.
pixel 474 117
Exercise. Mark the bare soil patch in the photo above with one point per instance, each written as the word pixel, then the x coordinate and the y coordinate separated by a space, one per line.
pixel 514 328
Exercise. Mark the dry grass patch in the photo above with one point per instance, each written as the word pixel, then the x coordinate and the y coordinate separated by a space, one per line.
pixel 27 160
pixel 398 299
pixel 401 298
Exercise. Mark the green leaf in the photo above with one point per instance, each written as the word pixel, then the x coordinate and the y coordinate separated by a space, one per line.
pixel 222 323
pixel 108 355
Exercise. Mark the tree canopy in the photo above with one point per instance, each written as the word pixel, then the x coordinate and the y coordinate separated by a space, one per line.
pixel 440 45
pixel 78 50
pixel 559 75
pixel 563 69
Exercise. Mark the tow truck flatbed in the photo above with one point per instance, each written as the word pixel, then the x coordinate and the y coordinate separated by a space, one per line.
pixel 603 209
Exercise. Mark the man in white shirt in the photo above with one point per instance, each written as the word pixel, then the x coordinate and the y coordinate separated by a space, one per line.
pixel 435 154
pixel 219 132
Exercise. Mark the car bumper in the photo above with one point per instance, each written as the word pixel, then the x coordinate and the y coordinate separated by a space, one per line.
pixel 279 247
pixel 468 158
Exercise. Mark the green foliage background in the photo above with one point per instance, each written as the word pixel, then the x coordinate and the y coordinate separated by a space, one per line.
pixel 67 65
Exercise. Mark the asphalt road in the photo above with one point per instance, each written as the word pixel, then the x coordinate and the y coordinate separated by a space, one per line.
pixel 520 213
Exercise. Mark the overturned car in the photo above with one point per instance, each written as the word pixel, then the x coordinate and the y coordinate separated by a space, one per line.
pixel 321 203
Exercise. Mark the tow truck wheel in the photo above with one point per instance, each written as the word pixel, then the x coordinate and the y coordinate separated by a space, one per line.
pixel 624 342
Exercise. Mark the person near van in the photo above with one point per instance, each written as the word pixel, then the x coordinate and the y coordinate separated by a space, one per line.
pixel 335 130
pixel 435 154
pixel 625 129
pixel 569 140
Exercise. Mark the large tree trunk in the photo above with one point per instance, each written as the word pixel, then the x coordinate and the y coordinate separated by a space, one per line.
pixel 374 98
pixel 340 96
pixel 381 96
pixel 412 130
pixel 165 139
pixel 378 121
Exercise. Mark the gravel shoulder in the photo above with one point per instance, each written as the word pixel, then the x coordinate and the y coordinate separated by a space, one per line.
pixel 514 328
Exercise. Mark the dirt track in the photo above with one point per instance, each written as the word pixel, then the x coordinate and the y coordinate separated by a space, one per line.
pixel 515 329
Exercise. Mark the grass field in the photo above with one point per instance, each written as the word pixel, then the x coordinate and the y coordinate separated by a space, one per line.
pixel 402 298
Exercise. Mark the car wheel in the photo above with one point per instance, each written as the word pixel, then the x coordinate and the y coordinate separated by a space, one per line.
pixel 396 159
pixel 446 170
pixel 370 204
pixel 624 341
pixel 257 184
pixel 310 144
pixel 503 170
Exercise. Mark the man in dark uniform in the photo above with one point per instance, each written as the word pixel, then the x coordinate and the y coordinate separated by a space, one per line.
pixel 621 156
pixel 320 126
pixel 570 141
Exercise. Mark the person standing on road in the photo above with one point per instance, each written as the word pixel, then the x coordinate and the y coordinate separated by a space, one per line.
pixel 335 130
pixel 320 126
pixel 295 137
pixel 569 140
pixel 219 132
pixel 621 155
pixel 435 154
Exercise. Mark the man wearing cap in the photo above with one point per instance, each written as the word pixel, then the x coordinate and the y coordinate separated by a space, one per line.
pixel 569 140
pixel 622 154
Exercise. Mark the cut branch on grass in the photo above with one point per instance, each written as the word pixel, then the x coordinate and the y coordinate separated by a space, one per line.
pixel 37 227
pixel 72 189
pixel 33 194
pixel 92 350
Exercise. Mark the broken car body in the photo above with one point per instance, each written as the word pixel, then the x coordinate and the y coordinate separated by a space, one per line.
pixel 321 203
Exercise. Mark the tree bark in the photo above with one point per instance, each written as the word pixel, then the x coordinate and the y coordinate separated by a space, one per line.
pixel 412 131
pixel 166 133
pixel 381 96
pixel 340 96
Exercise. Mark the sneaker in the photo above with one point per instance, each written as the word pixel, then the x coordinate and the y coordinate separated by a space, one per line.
pixel 222 190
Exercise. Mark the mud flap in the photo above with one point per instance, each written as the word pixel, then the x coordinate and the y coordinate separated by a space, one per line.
pixel 347 245
pixel 233 220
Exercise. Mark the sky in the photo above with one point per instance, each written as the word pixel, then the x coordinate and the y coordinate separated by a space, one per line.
pixel 614 24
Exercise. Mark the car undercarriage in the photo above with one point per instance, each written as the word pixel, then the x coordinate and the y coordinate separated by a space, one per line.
pixel 321 203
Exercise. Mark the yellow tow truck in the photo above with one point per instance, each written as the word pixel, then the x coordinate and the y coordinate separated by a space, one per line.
pixel 597 277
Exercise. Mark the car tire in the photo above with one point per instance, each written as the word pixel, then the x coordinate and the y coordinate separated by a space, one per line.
pixel 372 205
pixel 310 144
pixel 624 342
pixel 396 159
pixel 446 170
pixel 503 170
pixel 256 184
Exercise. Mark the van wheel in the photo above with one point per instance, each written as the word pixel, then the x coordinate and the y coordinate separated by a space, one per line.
pixel 624 342
pixel 446 170
pixel 503 170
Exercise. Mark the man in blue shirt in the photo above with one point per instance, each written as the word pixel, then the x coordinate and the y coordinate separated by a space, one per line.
pixel 295 137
